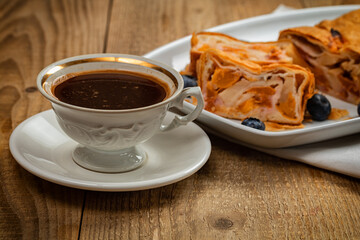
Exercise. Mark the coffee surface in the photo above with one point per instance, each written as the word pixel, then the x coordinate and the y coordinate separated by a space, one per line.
pixel 110 90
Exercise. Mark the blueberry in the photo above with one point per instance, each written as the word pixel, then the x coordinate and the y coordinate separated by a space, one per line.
pixel 254 123
pixel 359 109
pixel 189 81
pixel 319 107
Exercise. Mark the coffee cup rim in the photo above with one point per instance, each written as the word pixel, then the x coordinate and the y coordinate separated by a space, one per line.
pixel 109 57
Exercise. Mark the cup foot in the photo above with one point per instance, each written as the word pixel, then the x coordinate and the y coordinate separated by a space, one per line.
pixel 109 162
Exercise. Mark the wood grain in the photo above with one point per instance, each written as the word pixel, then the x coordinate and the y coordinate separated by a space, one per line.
pixel 138 27
pixel 239 194
pixel 32 35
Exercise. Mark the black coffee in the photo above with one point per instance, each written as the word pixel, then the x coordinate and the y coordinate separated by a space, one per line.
pixel 113 90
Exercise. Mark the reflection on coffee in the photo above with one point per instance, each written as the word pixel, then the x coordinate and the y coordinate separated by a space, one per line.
pixel 113 90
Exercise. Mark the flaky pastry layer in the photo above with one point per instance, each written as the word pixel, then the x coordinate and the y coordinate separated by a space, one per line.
pixel 238 89
pixel 331 49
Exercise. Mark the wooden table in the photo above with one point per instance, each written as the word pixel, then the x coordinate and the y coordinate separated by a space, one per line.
pixel 239 194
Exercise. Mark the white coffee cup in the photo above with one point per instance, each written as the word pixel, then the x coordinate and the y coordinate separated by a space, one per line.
pixel 109 139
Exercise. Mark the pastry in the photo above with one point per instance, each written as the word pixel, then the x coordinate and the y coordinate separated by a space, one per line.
pixel 259 52
pixel 238 89
pixel 331 50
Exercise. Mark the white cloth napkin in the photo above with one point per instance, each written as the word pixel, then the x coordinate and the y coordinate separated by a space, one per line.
pixel 282 8
pixel 340 155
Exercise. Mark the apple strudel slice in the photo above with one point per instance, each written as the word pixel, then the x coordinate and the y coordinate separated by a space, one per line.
pixel 331 50
pixel 238 89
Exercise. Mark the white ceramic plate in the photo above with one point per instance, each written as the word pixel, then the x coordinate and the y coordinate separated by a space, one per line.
pixel 266 28
pixel 41 147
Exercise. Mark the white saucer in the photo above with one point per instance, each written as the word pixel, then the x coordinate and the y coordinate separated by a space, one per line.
pixel 41 147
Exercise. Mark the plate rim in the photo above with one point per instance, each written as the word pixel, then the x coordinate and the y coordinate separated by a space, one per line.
pixel 298 131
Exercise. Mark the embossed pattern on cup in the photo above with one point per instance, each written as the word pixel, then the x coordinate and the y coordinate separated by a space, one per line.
pixel 111 132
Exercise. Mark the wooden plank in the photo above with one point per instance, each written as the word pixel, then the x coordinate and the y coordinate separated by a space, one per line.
pixel 240 193
pixel 32 35
pixel 138 27
pixel 322 3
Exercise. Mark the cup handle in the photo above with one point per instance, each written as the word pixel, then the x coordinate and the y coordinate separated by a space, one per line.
pixel 178 103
